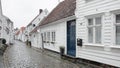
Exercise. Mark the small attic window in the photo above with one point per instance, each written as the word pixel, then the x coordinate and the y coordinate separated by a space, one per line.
pixel 88 0
pixel 33 25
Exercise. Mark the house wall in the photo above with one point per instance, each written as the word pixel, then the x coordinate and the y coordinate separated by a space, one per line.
pixel 6 31
pixel 36 40
pixel 106 52
pixel 60 30
pixel 36 21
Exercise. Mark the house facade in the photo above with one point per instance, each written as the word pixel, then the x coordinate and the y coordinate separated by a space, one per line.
pixel 98 25
pixel 36 38
pixel 31 35
pixel 59 29
pixel 20 34
pixel 6 27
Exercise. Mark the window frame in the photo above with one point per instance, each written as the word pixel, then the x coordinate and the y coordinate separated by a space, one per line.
pixel 115 24
pixel 48 36
pixel 53 36
pixel 44 36
pixel 94 29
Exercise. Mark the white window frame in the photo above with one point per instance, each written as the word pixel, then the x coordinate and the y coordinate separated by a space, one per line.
pixel 53 36
pixel 115 24
pixel 44 36
pixel 94 28
pixel 48 36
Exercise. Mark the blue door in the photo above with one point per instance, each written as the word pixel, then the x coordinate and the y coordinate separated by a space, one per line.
pixel 71 38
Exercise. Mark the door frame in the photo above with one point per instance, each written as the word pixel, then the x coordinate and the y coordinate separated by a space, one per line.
pixel 67 37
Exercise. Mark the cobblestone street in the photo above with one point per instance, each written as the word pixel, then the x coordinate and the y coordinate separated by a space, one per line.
pixel 21 56
pixel 1 61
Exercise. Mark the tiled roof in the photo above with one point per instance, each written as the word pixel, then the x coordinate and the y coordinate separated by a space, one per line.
pixel 63 10
pixel 17 33
pixel 34 30
pixel 22 29
pixel 32 21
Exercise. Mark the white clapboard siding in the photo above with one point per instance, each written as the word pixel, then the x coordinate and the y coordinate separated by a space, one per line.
pixel 60 29
pixel 106 52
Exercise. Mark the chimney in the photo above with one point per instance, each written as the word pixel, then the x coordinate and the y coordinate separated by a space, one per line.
pixel 40 11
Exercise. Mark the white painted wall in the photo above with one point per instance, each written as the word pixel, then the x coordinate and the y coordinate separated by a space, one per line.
pixel 36 21
pixel 36 41
pixel 60 29
pixel 106 52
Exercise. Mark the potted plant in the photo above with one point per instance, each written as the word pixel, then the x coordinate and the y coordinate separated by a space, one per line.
pixel 62 50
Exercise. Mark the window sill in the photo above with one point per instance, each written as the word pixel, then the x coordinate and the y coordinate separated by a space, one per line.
pixel 100 45
pixel 116 46
pixel 96 45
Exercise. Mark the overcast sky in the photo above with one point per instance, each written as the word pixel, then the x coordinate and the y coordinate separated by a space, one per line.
pixel 21 12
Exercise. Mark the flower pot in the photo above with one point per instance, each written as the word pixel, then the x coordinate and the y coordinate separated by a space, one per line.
pixel 62 51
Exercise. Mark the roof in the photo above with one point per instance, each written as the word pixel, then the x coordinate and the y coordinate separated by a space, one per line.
pixel 35 29
pixel 63 10
pixel 17 33
pixel 32 21
pixel 22 29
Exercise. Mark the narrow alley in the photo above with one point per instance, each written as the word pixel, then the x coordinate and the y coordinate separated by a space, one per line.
pixel 21 56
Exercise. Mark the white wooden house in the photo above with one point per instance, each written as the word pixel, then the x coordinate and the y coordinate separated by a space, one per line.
pixel 33 36
pixel 98 25
pixel 6 27
pixel 58 28
pixel 36 38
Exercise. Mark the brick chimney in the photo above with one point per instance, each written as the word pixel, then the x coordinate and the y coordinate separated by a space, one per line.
pixel 40 11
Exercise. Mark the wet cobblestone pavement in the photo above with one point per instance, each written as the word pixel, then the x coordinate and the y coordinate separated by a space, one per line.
pixel 22 56
pixel 1 61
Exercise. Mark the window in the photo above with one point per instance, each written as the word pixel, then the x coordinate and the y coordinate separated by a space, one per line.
pixel 117 29
pixel 94 30
pixel 44 36
pixel 53 36
pixel 48 36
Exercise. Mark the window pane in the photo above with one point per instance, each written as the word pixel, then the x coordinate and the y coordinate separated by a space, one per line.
pixel 118 18
pixel 44 36
pixel 48 36
pixel 118 35
pixel 98 20
pixel 53 36
pixel 90 21
pixel 90 35
pixel 98 34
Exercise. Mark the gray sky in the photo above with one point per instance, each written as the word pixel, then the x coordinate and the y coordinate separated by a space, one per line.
pixel 21 12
